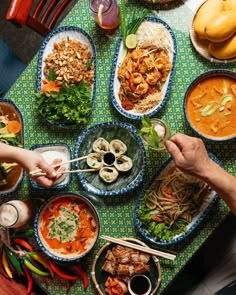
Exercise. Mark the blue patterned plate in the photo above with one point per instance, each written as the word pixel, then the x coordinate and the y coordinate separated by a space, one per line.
pixel 119 56
pixel 15 177
pixel 126 181
pixel 204 210
pixel 46 48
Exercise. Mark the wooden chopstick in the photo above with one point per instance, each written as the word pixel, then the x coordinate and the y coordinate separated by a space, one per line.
pixel 34 172
pixel 140 248
pixel 64 172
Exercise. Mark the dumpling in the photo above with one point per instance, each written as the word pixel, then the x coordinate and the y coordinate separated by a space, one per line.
pixel 101 145
pixel 108 174
pixel 117 147
pixel 123 163
pixel 94 160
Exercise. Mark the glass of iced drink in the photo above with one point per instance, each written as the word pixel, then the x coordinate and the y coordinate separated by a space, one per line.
pixel 15 213
pixel 105 13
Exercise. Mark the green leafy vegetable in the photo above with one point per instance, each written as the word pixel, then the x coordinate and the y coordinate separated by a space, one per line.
pixel 148 132
pixel 52 75
pixel 69 106
pixel 133 23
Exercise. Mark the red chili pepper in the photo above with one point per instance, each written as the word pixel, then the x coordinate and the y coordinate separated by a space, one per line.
pixel 83 274
pixel 55 268
pixel 29 278
pixel 24 244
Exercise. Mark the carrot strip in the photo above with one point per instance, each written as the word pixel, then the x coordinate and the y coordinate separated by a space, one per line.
pixel 14 127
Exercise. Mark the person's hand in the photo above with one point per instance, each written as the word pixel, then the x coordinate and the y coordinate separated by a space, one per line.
pixel 32 160
pixel 189 154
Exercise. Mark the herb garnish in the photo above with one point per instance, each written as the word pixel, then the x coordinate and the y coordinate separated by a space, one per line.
pixel 148 132
pixel 131 27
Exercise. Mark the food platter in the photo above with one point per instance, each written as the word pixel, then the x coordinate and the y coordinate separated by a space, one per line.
pixel 207 204
pixel 201 45
pixel 125 182
pixel 14 176
pixel 75 34
pixel 119 58
pixel 99 276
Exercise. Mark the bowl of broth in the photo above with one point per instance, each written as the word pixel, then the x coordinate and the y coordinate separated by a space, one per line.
pixel 11 133
pixel 66 227
pixel 210 105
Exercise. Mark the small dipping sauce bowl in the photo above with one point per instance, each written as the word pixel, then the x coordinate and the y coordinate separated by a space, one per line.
pixel 139 285
pixel 108 159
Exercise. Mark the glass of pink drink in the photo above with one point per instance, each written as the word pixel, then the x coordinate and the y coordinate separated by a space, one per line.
pixel 110 13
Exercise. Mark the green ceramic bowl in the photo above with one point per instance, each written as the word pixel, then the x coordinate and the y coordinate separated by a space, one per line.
pixel 126 181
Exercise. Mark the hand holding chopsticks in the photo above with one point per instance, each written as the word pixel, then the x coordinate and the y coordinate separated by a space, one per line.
pixel 39 172
pixel 140 248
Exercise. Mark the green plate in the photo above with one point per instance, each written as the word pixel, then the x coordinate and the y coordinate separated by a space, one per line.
pixel 126 181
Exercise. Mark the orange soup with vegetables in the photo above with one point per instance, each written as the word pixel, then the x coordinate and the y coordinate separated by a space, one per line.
pixel 211 106
pixel 67 227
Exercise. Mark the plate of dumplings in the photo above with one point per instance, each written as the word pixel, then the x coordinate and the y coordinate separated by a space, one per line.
pixel 114 157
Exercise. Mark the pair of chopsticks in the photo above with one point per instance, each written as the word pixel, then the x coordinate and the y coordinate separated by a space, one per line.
pixel 39 172
pixel 140 248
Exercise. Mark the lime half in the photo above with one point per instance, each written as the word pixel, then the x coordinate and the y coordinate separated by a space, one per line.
pixel 131 41
pixel 100 9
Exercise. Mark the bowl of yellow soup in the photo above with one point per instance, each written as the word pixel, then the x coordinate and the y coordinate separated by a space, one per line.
pixel 66 227
pixel 210 105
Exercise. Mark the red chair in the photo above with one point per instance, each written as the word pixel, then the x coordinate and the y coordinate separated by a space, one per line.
pixel 40 16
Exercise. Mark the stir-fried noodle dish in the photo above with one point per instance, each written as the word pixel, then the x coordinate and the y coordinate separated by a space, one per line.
pixel 171 203
pixel 145 69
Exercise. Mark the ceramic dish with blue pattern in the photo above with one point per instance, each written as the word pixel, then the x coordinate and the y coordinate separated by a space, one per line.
pixel 180 218
pixel 11 133
pixel 141 77
pixel 66 73
pixel 50 152
pixel 126 181
pixel 210 105
pixel 66 227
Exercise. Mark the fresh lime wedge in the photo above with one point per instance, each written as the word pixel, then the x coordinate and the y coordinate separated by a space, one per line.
pixel 131 41
pixel 100 9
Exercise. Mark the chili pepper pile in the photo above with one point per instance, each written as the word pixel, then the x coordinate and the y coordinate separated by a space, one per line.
pixel 29 262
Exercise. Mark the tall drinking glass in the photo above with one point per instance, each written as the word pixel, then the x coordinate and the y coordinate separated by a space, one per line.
pixel 105 13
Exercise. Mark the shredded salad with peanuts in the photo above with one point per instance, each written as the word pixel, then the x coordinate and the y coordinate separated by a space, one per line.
pixel 171 203
pixel 66 93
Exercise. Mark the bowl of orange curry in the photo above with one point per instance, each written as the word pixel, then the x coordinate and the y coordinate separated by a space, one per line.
pixel 66 227
pixel 210 105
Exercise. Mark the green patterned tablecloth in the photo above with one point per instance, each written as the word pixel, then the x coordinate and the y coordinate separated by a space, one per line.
pixel 116 213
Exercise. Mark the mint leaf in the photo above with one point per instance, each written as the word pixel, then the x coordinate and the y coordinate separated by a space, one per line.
pixel 52 75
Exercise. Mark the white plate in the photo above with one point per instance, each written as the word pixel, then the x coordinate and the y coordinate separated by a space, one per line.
pixel 119 56
pixel 204 210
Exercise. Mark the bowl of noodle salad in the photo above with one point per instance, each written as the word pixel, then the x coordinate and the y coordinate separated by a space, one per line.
pixel 172 205
pixel 141 77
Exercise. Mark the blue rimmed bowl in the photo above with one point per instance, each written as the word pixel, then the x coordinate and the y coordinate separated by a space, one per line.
pixel 50 152
pixel 51 221
pixel 147 230
pixel 46 48
pixel 15 176
pixel 210 105
pixel 126 181
pixel 114 84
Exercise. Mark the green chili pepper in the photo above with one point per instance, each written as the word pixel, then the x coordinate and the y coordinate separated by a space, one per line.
pixel 34 268
pixel 15 262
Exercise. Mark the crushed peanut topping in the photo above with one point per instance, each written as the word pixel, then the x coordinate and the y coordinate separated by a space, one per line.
pixel 71 61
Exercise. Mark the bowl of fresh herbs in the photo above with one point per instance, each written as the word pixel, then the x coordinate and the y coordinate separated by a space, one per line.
pixel 66 79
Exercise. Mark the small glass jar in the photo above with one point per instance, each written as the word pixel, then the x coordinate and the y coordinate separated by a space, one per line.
pixel 15 214
pixel 110 17
pixel 159 124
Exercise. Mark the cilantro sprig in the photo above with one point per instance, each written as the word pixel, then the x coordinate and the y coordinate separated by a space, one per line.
pixel 69 106
pixel 148 132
